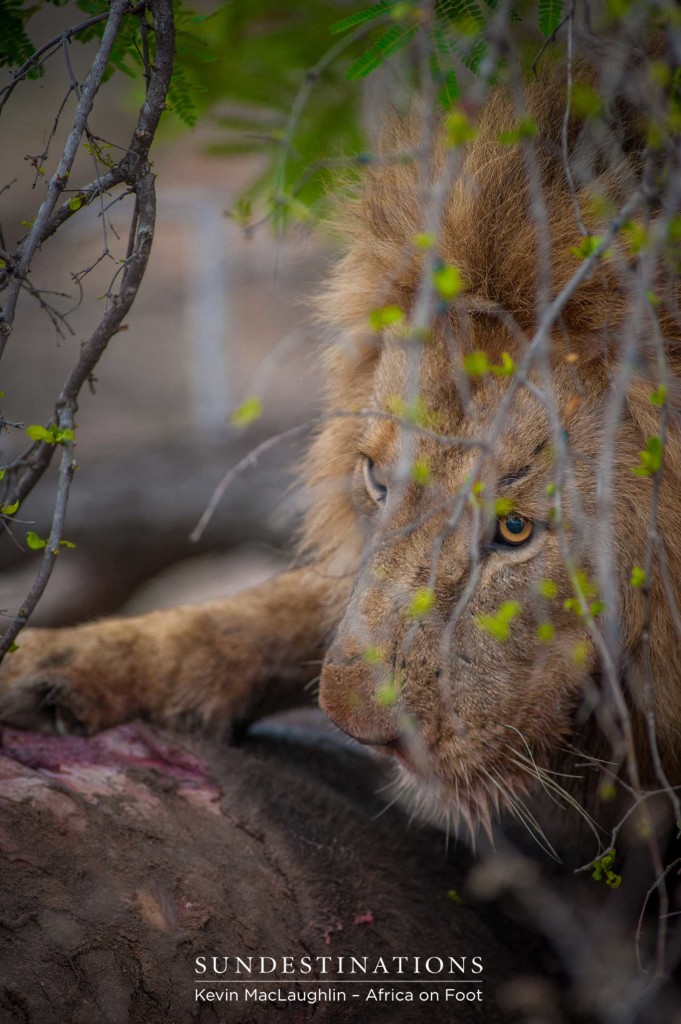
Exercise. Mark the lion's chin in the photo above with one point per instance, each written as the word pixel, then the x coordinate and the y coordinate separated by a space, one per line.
pixel 463 808
pixel 454 808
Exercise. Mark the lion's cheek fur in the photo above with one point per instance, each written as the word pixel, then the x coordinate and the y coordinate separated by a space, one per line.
pixel 473 704
pixel 461 713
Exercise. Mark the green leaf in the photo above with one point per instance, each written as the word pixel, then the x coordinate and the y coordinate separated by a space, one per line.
pixel 242 212
pixel 448 91
pixel 403 10
pixel 386 316
pixel 181 94
pixel 499 624
pixel 387 694
pixel 75 203
pixel 650 459
pixel 587 586
pixel 442 70
pixel 12 648
pixel 9 510
pixel 602 869
pixel 373 655
pixel 35 542
pixel 15 45
pixel 458 128
pixel 362 17
pixel 421 603
pixel 546 631
pixel 38 433
pixel 587 247
pixel 448 282
pixel 673 229
pixel 585 101
pixel 548 589
pixel 415 412
pixel 550 13
pixel 391 42
pixel 476 364
pixel 659 395
pixel 525 129
pixel 420 472
pixel 52 435
pixel 580 653
pixel 636 235
pixel 502 507
pixel 247 412
pixel 638 577
pixel 507 367
pixel 457 12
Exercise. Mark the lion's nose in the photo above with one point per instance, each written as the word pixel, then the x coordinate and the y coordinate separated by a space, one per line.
pixel 396 747
pixel 347 694
pixel 383 744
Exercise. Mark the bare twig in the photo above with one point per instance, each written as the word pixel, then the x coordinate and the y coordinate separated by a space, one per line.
pixel 60 178
pixel 136 172
pixel 47 50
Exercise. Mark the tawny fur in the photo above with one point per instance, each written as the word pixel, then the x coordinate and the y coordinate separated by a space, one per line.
pixel 465 708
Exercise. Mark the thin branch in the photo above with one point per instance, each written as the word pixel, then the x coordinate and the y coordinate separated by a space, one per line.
pixel 52 548
pixel 136 172
pixel 60 178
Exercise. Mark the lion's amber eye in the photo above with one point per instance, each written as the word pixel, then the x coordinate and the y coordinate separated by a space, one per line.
pixel 377 489
pixel 514 530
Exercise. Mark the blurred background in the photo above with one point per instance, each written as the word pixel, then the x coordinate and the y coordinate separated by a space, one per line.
pixel 272 108
pixel 220 316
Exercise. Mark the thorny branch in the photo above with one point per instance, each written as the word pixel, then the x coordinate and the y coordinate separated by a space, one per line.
pixel 132 170
pixel 58 181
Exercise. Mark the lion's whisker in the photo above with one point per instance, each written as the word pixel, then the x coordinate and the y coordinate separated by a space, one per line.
pixel 526 817
pixel 561 796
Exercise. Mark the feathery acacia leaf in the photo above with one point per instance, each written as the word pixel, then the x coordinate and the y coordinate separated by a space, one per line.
pixel 361 17
pixel 395 39
pixel 550 13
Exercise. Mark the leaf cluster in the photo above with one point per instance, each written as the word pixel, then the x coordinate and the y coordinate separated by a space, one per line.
pixel 128 53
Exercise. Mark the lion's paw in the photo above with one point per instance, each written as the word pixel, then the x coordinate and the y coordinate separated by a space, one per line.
pixel 41 705
pixel 38 687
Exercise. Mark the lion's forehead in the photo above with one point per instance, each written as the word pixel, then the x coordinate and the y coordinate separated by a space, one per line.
pixel 425 407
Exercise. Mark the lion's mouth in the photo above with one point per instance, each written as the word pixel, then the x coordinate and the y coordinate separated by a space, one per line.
pixel 464 804
pixel 410 753
pixel 394 749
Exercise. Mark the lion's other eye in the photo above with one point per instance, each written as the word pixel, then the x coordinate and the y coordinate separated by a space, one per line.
pixel 514 530
pixel 376 488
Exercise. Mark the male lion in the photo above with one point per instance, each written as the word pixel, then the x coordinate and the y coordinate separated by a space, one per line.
pixel 451 595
